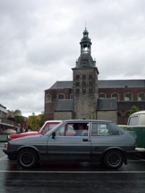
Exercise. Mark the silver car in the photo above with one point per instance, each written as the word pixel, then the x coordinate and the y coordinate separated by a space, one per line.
pixel 75 141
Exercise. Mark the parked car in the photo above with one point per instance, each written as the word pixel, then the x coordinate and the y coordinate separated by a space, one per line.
pixel 46 127
pixel 97 141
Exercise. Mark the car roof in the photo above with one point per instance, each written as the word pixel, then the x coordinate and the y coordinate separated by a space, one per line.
pixel 138 113
pixel 88 120
pixel 53 121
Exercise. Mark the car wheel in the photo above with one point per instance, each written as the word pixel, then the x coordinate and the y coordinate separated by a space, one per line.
pixel 113 159
pixel 27 158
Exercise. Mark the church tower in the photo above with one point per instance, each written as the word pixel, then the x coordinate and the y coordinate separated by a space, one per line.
pixel 85 82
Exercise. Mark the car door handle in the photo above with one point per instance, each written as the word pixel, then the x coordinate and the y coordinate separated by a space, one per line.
pixel 85 139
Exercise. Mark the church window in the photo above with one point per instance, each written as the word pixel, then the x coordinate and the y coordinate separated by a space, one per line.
pixel 77 83
pixel 84 76
pixel 90 76
pixel 115 95
pixel 127 114
pixel 118 115
pixel 90 90
pixel 77 77
pixel 48 98
pixel 102 95
pixel 77 90
pixel 127 97
pixel 84 83
pixel 84 90
pixel 61 96
pixel 141 97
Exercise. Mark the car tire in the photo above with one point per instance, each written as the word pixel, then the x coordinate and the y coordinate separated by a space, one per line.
pixel 27 158
pixel 113 159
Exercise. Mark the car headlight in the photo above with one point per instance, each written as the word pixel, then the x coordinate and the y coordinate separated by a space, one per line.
pixel 7 145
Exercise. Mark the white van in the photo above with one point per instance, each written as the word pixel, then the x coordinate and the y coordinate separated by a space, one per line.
pixel 136 127
pixel 137 118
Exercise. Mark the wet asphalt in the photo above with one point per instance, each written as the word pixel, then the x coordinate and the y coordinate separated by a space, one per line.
pixel 72 177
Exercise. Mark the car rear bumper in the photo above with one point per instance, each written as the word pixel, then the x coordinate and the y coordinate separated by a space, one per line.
pixel 133 152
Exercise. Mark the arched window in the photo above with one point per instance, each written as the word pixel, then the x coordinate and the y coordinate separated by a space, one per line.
pixel 141 97
pixel 127 114
pixel 60 96
pixel 127 97
pixel 118 115
pixel 102 95
pixel 115 95
pixel 48 98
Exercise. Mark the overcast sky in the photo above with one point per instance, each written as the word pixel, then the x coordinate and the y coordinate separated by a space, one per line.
pixel 39 44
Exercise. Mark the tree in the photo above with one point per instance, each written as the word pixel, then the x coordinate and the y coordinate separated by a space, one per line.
pixel 35 121
pixel 17 115
pixel 133 110
pixel 17 112
pixel 41 119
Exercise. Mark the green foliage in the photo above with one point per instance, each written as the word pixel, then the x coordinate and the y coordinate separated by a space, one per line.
pixel 41 120
pixel 17 114
pixel 35 121
pixel 133 110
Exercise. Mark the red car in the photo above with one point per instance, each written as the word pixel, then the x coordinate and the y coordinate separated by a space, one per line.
pixel 46 127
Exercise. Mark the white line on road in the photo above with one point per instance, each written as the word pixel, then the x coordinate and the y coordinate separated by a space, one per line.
pixel 4 157
pixel 75 172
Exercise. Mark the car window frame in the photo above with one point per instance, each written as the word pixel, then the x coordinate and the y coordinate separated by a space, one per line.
pixel 70 123
pixel 107 125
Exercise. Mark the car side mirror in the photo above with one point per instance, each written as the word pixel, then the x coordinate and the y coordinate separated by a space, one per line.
pixel 53 135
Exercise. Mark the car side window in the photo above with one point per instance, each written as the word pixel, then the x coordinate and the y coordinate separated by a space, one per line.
pixel 103 130
pixel 73 129
pixel 112 130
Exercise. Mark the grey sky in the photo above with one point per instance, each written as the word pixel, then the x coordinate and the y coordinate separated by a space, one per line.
pixel 40 44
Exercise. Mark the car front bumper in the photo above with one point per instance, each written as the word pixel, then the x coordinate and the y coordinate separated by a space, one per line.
pixel 11 154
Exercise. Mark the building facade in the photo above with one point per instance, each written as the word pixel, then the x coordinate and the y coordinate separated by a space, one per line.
pixel 87 97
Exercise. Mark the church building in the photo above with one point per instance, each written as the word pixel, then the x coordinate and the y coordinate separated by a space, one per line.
pixel 87 97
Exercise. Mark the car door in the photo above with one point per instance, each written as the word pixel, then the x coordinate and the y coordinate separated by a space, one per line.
pixel 65 146
pixel 103 137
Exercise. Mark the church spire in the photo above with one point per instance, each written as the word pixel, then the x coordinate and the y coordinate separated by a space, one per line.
pixel 85 43
pixel 85 59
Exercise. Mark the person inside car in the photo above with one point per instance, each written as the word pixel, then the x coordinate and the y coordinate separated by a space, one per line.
pixel 80 129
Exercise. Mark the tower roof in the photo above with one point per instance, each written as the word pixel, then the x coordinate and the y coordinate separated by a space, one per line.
pixel 85 58
pixel 85 38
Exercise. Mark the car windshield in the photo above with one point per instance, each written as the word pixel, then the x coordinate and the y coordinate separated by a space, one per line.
pixel 53 129
pixel 133 120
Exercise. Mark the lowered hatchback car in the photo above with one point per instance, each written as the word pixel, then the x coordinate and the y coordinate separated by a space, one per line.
pixel 74 141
